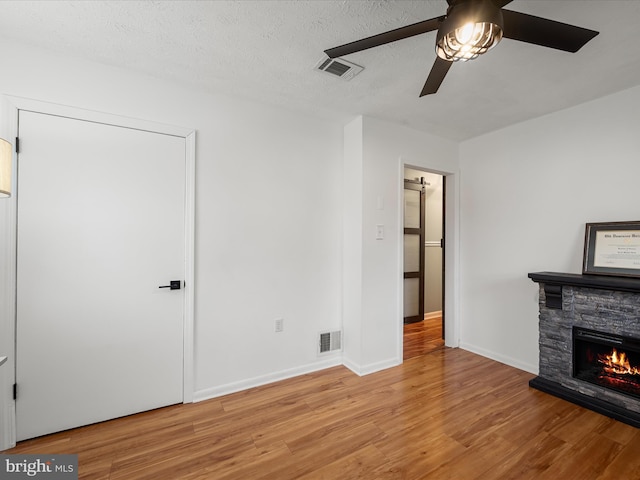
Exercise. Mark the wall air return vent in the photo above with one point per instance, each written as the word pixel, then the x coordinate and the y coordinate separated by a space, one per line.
pixel 339 67
pixel 329 342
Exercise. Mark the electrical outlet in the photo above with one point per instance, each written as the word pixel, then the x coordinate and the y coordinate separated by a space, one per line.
pixel 279 325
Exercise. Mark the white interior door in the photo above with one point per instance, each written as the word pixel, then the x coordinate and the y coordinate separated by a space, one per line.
pixel 101 219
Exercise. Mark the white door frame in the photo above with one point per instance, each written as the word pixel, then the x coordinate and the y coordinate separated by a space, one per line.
pixel 8 246
pixel 451 256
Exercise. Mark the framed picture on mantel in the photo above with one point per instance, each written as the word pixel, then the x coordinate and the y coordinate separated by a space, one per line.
pixel 612 248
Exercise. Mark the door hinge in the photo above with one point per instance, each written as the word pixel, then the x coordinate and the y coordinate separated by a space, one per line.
pixel 15 391
pixel 17 145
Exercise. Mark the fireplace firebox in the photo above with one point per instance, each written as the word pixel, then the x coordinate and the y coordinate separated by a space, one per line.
pixel 608 360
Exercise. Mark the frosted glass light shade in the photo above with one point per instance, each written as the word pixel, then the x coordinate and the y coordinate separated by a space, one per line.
pixel 470 29
pixel 5 168
pixel 469 41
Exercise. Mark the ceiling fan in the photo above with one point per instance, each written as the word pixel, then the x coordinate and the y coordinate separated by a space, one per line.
pixel 471 28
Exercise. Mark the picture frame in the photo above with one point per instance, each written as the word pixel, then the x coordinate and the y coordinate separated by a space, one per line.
pixel 612 248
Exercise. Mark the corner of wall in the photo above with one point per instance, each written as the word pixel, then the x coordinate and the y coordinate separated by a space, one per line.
pixel 352 240
pixel 362 370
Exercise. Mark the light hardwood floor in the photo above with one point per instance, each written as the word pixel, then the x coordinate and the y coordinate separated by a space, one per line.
pixel 448 414
pixel 422 337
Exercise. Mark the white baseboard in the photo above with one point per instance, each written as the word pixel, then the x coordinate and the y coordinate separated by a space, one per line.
pixel 435 314
pixel 362 370
pixel 234 387
pixel 498 357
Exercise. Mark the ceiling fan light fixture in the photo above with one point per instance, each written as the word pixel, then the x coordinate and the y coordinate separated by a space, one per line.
pixel 469 30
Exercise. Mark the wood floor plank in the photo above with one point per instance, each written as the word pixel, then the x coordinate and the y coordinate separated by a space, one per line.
pixel 361 464
pixel 420 453
pixel 619 432
pixel 531 459
pixel 423 337
pixel 627 463
pixel 583 422
pixel 586 460
pixel 253 464
pixel 444 414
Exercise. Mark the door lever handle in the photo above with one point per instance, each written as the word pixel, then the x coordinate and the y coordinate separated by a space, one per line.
pixel 173 285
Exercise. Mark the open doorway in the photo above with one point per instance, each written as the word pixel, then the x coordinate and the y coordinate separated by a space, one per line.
pixel 423 281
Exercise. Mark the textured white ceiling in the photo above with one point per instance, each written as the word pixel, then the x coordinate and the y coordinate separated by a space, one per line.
pixel 266 50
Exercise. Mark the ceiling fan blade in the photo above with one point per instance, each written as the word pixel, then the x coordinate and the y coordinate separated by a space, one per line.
pixel 548 33
pixel 436 76
pixel 387 37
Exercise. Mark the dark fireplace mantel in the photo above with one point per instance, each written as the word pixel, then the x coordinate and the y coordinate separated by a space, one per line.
pixel 595 302
pixel 553 283
pixel 619 284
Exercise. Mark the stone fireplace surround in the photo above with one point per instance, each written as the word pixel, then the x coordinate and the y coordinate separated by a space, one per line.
pixel 595 302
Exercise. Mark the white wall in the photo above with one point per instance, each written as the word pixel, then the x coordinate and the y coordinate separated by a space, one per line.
pixel 385 149
pixel 352 242
pixel 268 214
pixel 526 193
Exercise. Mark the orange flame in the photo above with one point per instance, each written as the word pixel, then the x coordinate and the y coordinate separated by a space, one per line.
pixel 617 363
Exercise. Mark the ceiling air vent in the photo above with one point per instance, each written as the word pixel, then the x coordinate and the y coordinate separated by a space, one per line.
pixel 339 67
